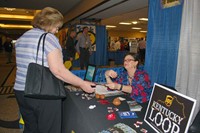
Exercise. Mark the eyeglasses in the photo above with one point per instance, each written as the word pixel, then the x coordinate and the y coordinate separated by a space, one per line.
pixel 57 28
pixel 128 60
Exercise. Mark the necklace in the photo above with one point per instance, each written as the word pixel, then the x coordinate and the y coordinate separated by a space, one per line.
pixel 130 77
pixel 130 72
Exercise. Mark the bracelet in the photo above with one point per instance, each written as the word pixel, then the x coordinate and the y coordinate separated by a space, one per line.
pixel 121 87
pixel 107 76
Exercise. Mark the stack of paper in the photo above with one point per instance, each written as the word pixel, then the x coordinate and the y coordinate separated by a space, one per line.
pixel 103 90
pixel 134 106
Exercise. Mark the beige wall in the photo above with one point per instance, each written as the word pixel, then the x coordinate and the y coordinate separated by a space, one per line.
pixel 126 34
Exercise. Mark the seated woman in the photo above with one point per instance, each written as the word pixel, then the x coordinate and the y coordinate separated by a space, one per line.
pixel 132 80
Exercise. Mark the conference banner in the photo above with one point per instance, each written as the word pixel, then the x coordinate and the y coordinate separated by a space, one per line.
pixel 169 111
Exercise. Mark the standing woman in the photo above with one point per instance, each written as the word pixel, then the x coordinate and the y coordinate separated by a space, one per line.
pixel 131 80
pixel 43 116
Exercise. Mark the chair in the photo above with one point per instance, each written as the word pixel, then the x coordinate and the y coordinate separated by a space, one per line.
pixel 170 87
pixel 195 127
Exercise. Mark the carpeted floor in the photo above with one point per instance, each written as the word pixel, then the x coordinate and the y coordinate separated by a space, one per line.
pixel 6 71
pixel 7 75
pixel 6 90
pixel 13 124
pixel 9 112
pixel 10 124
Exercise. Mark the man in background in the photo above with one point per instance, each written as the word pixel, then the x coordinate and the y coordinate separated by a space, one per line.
pixel 1 47
pixel 142 49
pixel 8 48
pixel 70 47
pixel 83 46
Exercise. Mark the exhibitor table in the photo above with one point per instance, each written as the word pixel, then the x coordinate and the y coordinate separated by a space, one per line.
pixel 78 118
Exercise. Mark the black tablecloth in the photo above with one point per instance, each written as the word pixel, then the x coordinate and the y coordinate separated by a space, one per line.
pixel 79 118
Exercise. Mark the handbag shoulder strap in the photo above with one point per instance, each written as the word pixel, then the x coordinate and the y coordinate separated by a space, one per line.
pixel 38 47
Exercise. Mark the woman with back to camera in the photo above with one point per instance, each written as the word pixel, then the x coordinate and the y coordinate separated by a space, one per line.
pixel 43 116
pixel 132 80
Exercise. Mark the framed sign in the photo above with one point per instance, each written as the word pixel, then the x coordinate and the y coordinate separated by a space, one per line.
pixel 170 3
pixel 169 111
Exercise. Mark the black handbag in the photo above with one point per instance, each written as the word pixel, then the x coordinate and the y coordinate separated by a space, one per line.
pixel 40 82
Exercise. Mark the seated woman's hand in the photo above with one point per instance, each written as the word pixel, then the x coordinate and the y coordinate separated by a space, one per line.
pixel 111 73
pixel 87 86
pixel 113 86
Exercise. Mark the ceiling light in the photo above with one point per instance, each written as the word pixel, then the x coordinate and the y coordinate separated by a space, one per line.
pixel 136 28
pixel 110 26
pixel 9 16
pixel 143 19
pixel 134 22
pixel 143 31
pixel 125 23
pixel 9 9
pixel 14 26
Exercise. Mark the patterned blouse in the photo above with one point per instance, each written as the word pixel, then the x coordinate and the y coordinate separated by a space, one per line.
pixel 141 85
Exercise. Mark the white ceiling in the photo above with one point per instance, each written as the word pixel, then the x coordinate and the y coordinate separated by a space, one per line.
pixel 119 9
pixel 109 11
pixel 62 5
pixel 128 17
pixel 115 11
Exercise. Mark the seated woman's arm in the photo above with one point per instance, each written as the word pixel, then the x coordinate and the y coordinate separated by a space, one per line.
pixel 115 85
pixel 110 74
pixel 136 89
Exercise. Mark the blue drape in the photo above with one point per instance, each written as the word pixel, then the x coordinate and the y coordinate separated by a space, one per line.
pixel 163 42
pixel 101 57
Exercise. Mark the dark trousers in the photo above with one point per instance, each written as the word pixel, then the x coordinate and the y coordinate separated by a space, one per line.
pixel 142 55
pixel 84 57
pixel 9 57
pixel 40 116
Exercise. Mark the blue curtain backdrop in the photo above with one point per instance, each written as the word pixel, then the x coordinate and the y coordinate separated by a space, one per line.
pixel 163 42
pixel 100 56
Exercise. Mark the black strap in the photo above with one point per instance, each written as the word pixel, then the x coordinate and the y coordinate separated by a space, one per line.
pixel 38 47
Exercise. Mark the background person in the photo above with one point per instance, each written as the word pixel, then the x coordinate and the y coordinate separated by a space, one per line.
pixel 83 46
pixel 117 45
pixel 132 80
pixel 142 49
pixel 8 48
pixel 39 115
pixel 70 47
pixel 126 45
pixel 1 46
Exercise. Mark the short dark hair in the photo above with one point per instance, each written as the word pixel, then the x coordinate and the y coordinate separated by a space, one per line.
pixel 85 27
pixel 135 56
pixel 71 31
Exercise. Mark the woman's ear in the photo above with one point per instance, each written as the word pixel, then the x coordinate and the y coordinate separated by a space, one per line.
pixel 136 63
